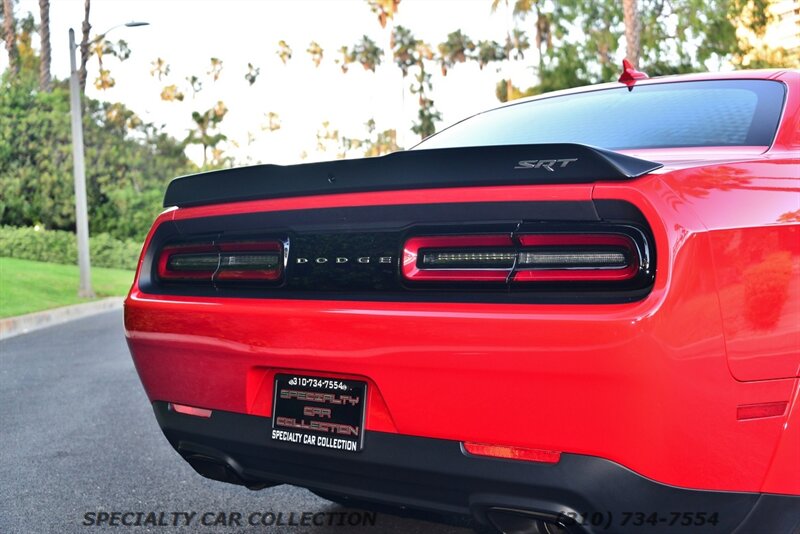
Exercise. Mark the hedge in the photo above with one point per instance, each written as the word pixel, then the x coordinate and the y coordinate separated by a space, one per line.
pixel 59 246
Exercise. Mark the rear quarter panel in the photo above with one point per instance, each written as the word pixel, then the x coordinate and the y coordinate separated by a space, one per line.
pixel 751 210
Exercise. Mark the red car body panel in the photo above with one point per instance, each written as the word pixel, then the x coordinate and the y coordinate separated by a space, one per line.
pixel 653 385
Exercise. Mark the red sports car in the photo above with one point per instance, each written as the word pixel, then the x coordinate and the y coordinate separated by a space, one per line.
pixel 573 313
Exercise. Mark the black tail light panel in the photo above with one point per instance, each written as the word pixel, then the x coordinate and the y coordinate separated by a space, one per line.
pixel 484 252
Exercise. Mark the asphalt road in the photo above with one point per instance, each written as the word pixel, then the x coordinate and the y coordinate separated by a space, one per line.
pixel 78 437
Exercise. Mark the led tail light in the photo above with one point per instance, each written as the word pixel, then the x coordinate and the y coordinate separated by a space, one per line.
pixel 589 257
pixel 250 261
pixel 483 258
pixel 465 259
pixel 240 261
pixel 188 262
pixel 522 258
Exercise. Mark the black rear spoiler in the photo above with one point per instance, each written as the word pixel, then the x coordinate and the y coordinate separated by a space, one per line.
pixel 562 163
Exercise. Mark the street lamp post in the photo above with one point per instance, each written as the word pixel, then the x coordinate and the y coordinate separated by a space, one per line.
pixel 79 174
pixel 78 168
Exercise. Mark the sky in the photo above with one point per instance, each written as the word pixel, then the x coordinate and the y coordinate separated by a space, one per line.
pixel 187 33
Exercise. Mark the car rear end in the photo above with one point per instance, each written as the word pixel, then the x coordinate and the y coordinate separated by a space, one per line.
pixel 525 349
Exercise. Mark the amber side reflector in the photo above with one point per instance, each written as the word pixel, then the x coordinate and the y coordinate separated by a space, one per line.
pixel 513 453
pixel 190 410
pixel 764 409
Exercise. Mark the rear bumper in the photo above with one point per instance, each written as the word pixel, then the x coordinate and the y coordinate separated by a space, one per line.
pixel 437 476
pixel 647 389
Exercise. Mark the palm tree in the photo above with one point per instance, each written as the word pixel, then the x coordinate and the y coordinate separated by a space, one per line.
pixel 252 73
pixel 347 58
pixel 171 93
pixel 489 51
pixel 101 47
pixel 160 68
pixel 367 53
pixel 315 51
pixel 284 51
pixel 409 52
pixel 404 47
pixel 427 115
pixel 84 47
pixel 216 68
pixel 10 36
pixel 632 31
pixel 44 36
pixel 384 9
pixel 203 132
pixel 273 122
pixel 517 44
pixel 456 49
pixel 516 40
pixel 195 84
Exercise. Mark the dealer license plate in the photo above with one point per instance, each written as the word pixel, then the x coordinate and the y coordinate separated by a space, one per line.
pixel 319 412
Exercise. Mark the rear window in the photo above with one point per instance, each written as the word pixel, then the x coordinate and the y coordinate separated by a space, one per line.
pixel 678 114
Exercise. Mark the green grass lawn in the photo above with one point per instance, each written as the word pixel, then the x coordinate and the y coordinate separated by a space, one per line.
pixel 29 286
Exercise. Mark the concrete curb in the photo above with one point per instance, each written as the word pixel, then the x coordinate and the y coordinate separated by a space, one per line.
pixel 22 324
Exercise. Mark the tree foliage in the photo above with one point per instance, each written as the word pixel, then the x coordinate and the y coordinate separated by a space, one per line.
pixel 567 43
pixel 128 162
pixel 580 42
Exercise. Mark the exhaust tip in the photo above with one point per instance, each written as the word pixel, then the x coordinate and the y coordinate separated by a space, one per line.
pixel 510 521
pixel 219 470
pixel 214 469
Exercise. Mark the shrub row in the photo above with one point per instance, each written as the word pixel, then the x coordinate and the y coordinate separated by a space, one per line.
pixel 59 246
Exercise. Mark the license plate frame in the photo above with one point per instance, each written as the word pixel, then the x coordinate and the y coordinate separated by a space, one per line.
pixel 319 411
